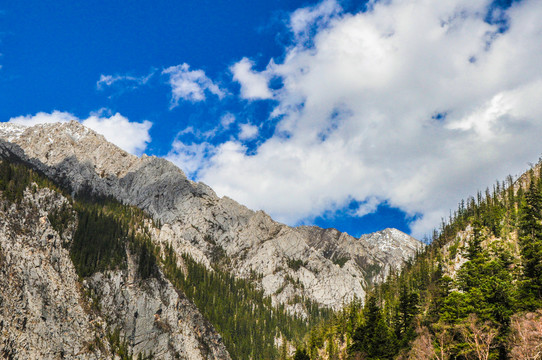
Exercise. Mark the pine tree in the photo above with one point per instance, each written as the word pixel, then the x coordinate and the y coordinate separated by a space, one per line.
pixel 373 338
pixel 530 239
pixel 301 354
pixel 406 311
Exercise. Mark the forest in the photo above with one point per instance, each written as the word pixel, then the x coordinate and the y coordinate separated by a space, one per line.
pixel 475 292
pixel 246 319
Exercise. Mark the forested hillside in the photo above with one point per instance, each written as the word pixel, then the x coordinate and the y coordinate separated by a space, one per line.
pixel 105 235
pixel 474 293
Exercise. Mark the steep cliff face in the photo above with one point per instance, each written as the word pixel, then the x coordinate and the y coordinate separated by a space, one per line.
pixel 154 318
pixel 42 312
pixel 47 312
pixel 325 266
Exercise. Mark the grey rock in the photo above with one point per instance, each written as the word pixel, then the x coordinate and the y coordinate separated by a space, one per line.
pixel 154 318
pixel 47 313
pixel 42 312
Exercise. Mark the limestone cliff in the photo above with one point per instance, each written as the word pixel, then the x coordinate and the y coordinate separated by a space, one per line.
pixel 47 312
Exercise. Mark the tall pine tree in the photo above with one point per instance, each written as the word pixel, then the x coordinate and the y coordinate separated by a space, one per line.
pixel 530 239
pixel 374 338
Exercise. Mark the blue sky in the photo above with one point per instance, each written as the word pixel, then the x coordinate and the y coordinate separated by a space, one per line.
pixel 343 114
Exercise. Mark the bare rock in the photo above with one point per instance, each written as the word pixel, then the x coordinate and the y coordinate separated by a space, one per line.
pixel 47 313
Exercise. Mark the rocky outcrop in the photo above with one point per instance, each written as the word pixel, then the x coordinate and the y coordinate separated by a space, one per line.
pixel 42 312
pixel 390 246
pixel 154 318
pixel 47 313
pixel 323 265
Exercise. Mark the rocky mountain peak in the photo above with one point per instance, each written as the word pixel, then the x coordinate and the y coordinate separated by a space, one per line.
pixel 52 144
pixel 391 238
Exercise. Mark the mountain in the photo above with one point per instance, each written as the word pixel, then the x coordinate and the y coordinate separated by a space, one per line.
pixel 196 221
pixel 47 311
pixel 188 228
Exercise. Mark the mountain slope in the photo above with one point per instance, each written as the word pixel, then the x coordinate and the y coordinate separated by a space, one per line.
pixel 324 266
pixel 474 293
pixel 47 310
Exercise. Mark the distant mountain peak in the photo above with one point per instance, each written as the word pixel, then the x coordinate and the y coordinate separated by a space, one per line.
pixel 391 245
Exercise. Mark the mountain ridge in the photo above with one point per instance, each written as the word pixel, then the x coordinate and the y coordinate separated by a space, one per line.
pixel 196 221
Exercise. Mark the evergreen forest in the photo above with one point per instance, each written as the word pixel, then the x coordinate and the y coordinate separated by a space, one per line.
pixel 474 292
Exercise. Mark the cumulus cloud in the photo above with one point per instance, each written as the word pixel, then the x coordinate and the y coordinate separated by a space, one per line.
pixel 43 118
pixel 248 131
pixel 189 84
pixel 254 85
pixel 416 103
pixel 130 136
pixel 305 20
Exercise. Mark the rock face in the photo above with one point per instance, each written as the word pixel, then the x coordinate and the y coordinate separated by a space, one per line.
pixel 322 265
pixel 42 315
pixel 47 313
pixel 154 318
pixel 389 247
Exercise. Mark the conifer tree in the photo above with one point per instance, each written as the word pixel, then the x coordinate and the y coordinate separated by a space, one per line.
pixel 406 311
pixel 301 354
pixel 530 238
pixel 373 338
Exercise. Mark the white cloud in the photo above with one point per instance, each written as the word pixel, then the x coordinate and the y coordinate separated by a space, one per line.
pixel 253 85
pixel 130 136
pixel 226 120
pixel 367 207
pixel 417 103
pixel 43 118
pixel 190 85
pixel 303 20
pixel 127 80
pixel 107 80
pixel 248 131
pixel 189 157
